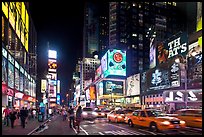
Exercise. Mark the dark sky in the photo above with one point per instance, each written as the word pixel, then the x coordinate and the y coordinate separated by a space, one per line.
pixel 61 24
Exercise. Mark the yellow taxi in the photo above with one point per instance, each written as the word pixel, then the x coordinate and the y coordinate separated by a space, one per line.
pixel 192 117
pixel 155 120
pixel 116 116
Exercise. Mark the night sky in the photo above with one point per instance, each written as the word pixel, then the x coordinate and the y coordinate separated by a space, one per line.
pixel 62 25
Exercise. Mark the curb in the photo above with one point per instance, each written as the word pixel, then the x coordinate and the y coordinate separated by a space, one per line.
pixel 39 126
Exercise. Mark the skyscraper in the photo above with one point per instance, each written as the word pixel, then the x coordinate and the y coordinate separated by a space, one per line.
pixel 129 23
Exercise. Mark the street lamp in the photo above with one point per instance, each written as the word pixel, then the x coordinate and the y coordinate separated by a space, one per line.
pixel 177 60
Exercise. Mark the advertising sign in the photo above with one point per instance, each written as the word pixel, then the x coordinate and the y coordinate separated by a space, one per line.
pixel 10 75
pixel 52 54
pixel 43 85
pixel 92 93
pixel 152 53
pixel 194 96
pixel 52 76
pixel 58 86
pixel 58 99
pixel 104 61
pixel 98 72
pixel 174 96
pixel 113 87
pixel 100 89
pixel 52 65
pixel 133 85
pixel 164 76
pixel 116 63
pixel 172 47
pixel 87 94
pixel 195 72
pixel 77 91
pixel 4 71
pixel 21 82
pixel 17 79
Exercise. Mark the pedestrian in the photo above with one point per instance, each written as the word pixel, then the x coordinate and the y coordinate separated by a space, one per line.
pixel 6 112
pixel 12 116
pixel 26 114
pixel 64 113
pixel 71 117
pixel 78 118
pixel 23 115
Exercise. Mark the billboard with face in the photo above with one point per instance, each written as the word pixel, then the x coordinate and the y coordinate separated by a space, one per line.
pixel 133 85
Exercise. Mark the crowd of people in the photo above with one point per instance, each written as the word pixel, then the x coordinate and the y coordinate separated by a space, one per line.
pixel 15 116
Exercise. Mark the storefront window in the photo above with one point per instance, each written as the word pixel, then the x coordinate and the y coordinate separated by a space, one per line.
pixel 10 75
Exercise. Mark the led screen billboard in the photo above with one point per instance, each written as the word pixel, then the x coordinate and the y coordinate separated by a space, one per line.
pixel 177 44
pixel 195 72
pixel 166 75
pixel 133 85
pixel 92 92
pixel 10 75
pixel 4 70
pixel 21 82
pixel 17 79
pixel 52 54
pixel 43 85
pixel 112 87
pixel 52 65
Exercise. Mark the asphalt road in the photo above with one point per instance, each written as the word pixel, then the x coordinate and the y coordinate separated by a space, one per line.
pixel 101 126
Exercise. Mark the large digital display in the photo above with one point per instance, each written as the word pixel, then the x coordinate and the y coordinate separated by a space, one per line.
pixel 98 72
pixel 195 72
pixel 112 87
pixel 115 64
pixel 17 79
pixel 58 99
pixel 52 65
pixel 4 71
pixel 19 19
pixel 92 93
pixel 172 47
pixel 52 76
pixel 100 89
pixel 165 76
pixel 10 75
pixel 87 94
pixel 152 53
pixel 43 85
pixel 52 54
pixel 133 85
pixel 21 82
pixel 58 86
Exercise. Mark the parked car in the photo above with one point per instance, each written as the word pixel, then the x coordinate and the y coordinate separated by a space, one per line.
pixel 192 117
pixel 88 113
pixel 155 120
pixel 116 116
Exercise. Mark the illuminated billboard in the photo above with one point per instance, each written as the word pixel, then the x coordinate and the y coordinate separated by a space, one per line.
pixel 113 87
pixel 10 75
pixel 92 92
pixel 52 65
pixel 175 45
pixel 166 75
pixel 195 72
pixel 52 54
pixel 114 63
pixel 98 72
pixel 133 85
pixel 87 94
pixel 58 86
pixel 43 85
pixel 58 99
pixel 18 17
pixel 52 76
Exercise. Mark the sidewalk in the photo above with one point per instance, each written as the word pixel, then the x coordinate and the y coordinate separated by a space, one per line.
pixel 19 130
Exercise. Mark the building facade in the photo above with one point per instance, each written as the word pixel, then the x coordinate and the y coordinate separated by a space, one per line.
pixel 19 57
pixel 129 23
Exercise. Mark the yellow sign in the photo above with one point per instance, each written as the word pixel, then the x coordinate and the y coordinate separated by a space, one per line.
pixel 43 85
pixel 18 17
pixel 5 8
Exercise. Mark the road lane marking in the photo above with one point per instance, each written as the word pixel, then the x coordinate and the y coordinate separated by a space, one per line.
pixel 84 130
pixel 74 130
pixel 148 131
pixel 135 132
pixel 101 133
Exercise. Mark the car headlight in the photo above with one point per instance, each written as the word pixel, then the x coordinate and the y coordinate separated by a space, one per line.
pixel 119 116
pixel 182 122
pixel 94 113
pixel 166 123
pixel 84 113
pixel 102 113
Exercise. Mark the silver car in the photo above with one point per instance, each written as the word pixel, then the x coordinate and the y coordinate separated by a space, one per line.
pixel 88 113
